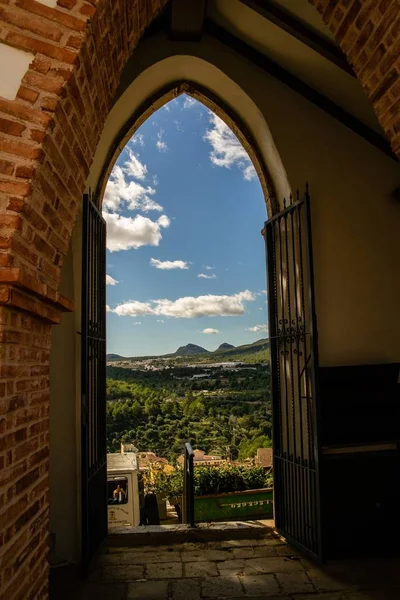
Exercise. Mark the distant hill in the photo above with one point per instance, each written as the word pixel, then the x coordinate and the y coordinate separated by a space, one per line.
pixel 224 347
pixel 189 350
pixel 256 352
pixel 115 357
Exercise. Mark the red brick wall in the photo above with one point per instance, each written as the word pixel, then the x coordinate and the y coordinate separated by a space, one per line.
pixel 48 136
pixel 368 32
pixel 24 452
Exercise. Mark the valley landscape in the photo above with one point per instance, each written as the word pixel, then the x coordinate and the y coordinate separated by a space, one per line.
pixel 218 401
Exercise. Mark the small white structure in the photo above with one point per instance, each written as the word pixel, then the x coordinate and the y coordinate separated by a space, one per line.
pixel 203 459
pixel 123 490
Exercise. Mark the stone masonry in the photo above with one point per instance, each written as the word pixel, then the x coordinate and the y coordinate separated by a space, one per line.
pixel 264 569
pixel 48 137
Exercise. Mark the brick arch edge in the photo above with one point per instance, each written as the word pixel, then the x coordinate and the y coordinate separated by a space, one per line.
pixel 369 35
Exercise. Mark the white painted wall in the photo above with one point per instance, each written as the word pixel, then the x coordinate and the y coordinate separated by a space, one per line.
pixel 14 64
pixel 51 3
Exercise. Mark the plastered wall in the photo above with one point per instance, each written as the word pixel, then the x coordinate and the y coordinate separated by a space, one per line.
pixel 65 418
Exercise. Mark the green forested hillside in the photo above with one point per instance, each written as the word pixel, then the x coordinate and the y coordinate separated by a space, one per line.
pixel 228 413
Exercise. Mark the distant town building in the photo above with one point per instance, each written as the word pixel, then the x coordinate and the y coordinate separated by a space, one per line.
pixel 128 448
pixel 149 460
pixel 203 459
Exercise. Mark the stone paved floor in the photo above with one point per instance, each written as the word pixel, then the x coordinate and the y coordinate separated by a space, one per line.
pixel 264 569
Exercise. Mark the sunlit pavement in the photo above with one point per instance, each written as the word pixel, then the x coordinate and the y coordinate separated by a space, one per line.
pixel 266 568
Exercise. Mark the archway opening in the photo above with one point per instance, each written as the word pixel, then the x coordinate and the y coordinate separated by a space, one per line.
pixel 185 265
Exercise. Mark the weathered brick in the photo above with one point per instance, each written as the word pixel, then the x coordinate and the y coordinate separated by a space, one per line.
pixel 11 127
pixel 88 9
pixel 52 14
pixel 19 148
pixel 25 93
pixel 43 82
pixel 10 186
pixel 24 171
pixel 67 3
pixel 34 45
pixel 24 112
pixel 26 21
pixel 6 167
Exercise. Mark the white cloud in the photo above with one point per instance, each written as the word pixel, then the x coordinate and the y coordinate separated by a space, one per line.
pixel 204 276
pixel 137 322
pixel 166 107
pixel 210 331
pixel 188 102
pixel 124 233
pixel 168 264
pixel 132 194
pixel 178 125
pixel 161 145
pixel 110 280
pixel 134 168
pixel 227 151
pixel 208 268
pixel 258 328
pixel 108 309
pixel 189 307
pixel 154 180
pixel 138 139
pixel 160 320
pixel 134 309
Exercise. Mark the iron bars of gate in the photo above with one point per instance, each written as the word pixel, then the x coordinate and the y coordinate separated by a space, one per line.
pixel 188 486
pixel 294 368
pixel 93 381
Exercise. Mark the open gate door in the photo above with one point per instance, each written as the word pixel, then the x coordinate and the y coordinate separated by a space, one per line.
pixel 93 382
pixel 294 368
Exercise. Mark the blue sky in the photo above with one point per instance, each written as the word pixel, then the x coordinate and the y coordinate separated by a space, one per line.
pixel 185 257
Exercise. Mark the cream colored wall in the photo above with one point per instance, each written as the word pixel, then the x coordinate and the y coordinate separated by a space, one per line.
pixel 65 417
pixel 17 63
pixel 355 225
pixel 355 222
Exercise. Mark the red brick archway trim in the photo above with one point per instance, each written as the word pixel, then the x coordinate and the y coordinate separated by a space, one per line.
pixel 48 137
pixel 368 32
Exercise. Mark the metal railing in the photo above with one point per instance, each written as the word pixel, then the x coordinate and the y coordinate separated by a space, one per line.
pixel 188 486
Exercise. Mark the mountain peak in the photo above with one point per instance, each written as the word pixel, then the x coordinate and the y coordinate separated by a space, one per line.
pixel 224 346
pixel 190 349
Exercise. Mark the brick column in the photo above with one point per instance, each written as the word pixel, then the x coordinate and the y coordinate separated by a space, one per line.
pixel 25 336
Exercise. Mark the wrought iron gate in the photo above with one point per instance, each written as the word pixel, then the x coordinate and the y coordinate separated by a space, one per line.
pixel 93 381
pixel 294 368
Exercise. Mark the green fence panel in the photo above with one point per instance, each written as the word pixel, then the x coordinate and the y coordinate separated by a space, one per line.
pixel 236 505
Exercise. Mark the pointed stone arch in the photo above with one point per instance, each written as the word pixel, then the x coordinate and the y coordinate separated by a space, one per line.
pixel 214 104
